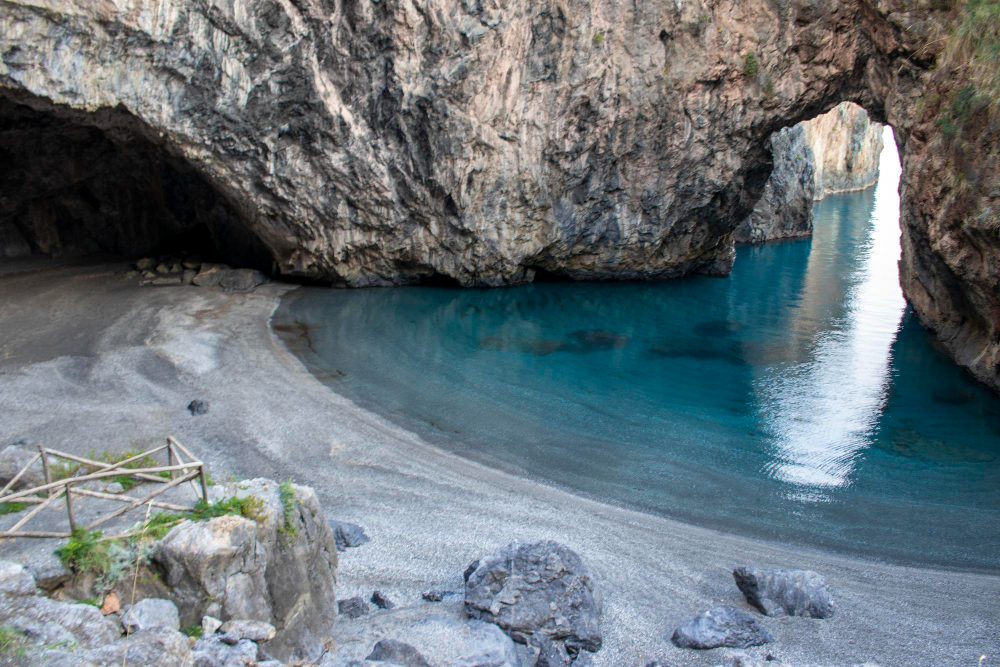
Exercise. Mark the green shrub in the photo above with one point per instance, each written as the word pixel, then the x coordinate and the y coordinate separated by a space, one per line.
pixel 751 68
pixel 250 507
pixel 107 560
pixel 598 38
pixel 972 46
pixel 11 644
pixel 195 631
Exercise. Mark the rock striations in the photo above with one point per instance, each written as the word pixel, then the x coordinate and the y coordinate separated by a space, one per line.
pixel 397 142
pixel 846 146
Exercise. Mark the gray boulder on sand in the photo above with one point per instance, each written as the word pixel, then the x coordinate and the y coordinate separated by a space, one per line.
pixel 541 589
pixel 198 407
pixel 721 626
pixel 380 600
pixel 355 607
pixel 347 535
pixel 785 592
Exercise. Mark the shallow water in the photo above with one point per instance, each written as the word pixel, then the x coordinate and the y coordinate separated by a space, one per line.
pixel 797 400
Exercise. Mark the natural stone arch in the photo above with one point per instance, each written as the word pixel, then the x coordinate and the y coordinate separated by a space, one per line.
pixel 385 143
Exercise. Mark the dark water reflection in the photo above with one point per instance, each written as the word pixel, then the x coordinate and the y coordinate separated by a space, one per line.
pixel 796 400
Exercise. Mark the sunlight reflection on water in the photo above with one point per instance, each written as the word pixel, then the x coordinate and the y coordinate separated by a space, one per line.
pixel 824 412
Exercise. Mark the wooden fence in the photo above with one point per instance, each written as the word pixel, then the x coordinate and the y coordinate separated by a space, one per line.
pixel 177 468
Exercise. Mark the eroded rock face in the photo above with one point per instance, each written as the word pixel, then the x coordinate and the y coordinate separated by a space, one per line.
pixel 846 145
pixel 785 209
pixel 233 567
pixel 384 143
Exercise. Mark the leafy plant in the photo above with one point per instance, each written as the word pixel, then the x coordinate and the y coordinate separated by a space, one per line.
pixel 195 631
pixel 751 68
pixel 972 46
pixel 598 38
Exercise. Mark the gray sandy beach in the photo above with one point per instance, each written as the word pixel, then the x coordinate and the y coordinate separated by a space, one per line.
pixel 89 360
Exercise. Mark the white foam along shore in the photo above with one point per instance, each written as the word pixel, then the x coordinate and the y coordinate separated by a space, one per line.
pixel 89 360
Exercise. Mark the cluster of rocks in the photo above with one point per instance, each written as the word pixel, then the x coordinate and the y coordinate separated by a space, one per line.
pixel 774 592
pixel 193 271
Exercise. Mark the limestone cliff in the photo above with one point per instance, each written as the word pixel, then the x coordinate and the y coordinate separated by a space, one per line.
pixel 785 209
pixel 395 141
pixel 846 145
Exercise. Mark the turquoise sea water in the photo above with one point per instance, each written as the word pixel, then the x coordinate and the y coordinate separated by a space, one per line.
pixel 798 400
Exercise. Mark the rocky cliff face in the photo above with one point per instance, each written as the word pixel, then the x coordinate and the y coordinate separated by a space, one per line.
pixel 785 209
pixel 400 141
pixel 846 145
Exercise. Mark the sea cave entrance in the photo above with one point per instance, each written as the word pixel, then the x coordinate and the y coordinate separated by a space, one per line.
pixel 77 184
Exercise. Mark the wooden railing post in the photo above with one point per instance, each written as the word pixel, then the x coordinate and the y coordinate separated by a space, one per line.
pixel 45 467
pixel 69 508
pixel 170 456
pixel 204 484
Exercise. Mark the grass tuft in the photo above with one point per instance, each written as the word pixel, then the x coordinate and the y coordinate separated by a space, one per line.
pixel 12 508
pixel 289 505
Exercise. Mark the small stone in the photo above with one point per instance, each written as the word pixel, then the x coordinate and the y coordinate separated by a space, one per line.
pixel 397 653
pixel 658 663
pixel 151 613
pixel 162 268
pixel 198 407
pixel 148 274
pixel 130 275
pixel 229 639
pixel 48 571
pixel 145 264
pixel 721 626
pixel 255 631
pixel 353 607
pixel 111 604
pixel 15 580
pixel 193 264
pixel 381 601
pixel 176 267
pixel 435 596
pixel 188 277
pixel 210 625
pixel 347 535
pixel 164 282
pixel 785 592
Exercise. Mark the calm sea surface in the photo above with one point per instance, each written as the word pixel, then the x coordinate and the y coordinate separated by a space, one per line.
pixel 798 400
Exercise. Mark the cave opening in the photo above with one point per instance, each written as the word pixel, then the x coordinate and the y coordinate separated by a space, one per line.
pixel 78 184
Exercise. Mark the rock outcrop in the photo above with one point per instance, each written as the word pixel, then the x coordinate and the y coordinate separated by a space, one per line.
pixel 394 142
pixel 785 209
pixel 280 569
pixel 846 146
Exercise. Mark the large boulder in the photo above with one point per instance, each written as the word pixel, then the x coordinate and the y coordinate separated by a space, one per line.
pixel 540 589
pixel 151 613
pixel 396 652
pixel 159 647
pixel 785 592
pixel 721 626
pixel 277 570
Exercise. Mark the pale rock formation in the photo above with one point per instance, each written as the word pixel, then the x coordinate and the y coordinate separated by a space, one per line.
pixel 846 146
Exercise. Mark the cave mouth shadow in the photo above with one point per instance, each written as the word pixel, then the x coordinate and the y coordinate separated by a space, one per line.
pixel 76 183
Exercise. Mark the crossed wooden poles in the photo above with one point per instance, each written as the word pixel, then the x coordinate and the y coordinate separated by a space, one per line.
pixel 46 494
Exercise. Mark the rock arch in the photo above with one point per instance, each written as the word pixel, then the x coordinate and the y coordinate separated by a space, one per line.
pixel 385 143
